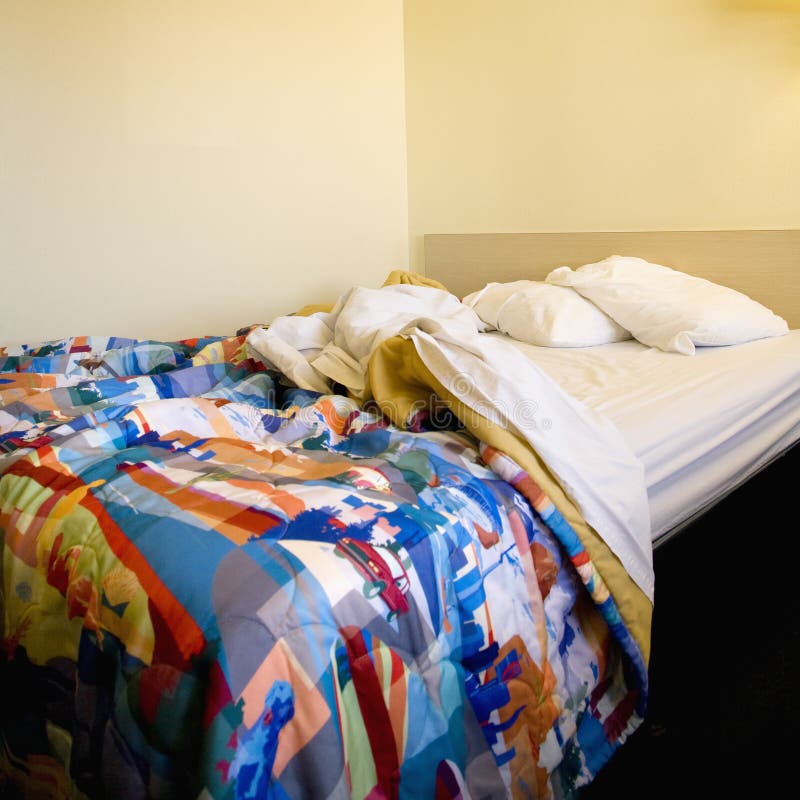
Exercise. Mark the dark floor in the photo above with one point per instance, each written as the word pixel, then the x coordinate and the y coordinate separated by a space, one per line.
pixel 724 714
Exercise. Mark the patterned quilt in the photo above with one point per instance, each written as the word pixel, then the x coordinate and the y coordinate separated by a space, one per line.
pixel 217 586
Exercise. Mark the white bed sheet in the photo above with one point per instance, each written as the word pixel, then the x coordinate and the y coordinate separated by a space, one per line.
pixel 701 424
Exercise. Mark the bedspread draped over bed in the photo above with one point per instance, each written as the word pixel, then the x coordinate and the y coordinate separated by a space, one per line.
pixel 215 585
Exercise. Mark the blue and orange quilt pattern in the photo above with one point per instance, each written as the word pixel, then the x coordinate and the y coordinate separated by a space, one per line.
pixel 217 586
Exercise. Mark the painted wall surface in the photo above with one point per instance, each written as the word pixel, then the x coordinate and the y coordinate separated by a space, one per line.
pixel 525 115
pixel 170 168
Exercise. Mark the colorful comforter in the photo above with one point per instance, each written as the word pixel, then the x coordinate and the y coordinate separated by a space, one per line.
pixel 218 586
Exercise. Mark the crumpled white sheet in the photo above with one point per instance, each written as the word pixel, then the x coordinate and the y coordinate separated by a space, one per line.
pixel 582 448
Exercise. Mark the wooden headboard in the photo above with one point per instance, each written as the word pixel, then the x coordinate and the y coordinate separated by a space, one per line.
pixel 764 265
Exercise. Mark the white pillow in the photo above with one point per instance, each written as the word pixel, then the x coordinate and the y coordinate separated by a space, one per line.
pixel 486 302
pixel 668 309
pixel 549 316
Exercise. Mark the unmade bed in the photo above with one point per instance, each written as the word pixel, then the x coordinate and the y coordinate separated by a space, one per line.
pixel 334 557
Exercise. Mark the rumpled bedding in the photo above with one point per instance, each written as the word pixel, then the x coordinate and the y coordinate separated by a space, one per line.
pixel 218 585
pixel 493 380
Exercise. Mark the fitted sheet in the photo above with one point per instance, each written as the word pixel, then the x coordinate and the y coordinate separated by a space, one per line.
pixel 700 424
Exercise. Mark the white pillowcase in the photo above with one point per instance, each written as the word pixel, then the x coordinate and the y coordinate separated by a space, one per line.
pixel 548 316
pixel 668 309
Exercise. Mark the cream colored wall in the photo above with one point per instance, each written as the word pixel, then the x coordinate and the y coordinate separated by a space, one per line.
pixel 526 115
pixel 171 168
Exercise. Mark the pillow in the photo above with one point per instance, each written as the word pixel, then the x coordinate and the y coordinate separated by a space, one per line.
pixel 668 309
pixel 487 302
pixel 549 316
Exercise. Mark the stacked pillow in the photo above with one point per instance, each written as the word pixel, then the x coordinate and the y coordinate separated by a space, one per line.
pixel 667 309
pixel 623 297
pixel 545 315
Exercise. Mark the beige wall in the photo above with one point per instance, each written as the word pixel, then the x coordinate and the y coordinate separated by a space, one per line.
pixel 175 167
pixel 525 115
pixel 171 168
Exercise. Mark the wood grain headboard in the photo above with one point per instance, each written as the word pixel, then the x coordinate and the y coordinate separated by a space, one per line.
pixel 764 265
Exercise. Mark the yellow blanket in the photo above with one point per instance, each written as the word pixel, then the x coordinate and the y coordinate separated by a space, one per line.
pixel 401 276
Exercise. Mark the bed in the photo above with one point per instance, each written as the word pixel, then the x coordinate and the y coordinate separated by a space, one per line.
pixel 230 575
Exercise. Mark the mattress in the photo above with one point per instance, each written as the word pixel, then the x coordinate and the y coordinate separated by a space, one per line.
pixel 701 425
